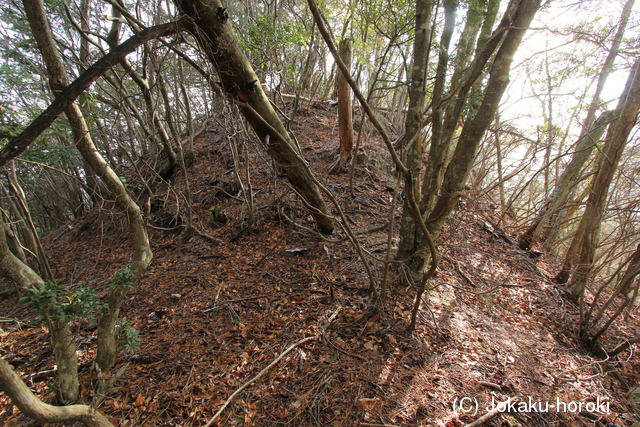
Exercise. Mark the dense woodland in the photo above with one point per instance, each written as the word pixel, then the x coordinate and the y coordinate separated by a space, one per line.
pixel 319 213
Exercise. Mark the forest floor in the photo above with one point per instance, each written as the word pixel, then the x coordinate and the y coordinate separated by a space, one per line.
pixel 214 312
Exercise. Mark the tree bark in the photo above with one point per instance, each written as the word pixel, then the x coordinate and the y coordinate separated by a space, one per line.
pixel 412 138
pixel 345 124
pixel 585 241
pixel 61 335
pixel 142 250
pixel 31 406
pixel 457 172
pixel 12 267
pixel 211 27
pixel 440 147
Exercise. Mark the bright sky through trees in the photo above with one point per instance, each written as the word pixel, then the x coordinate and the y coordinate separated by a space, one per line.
pixel 566 46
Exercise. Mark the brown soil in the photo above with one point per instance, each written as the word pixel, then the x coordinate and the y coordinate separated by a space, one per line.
pixel 215 311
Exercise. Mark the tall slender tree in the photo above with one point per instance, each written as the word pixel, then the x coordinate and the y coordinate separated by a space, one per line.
pixel 592 130
pixel 142 250
pixel 440 195
pixel 583 246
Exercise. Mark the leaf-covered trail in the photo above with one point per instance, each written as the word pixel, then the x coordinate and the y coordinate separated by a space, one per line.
pixel 215 311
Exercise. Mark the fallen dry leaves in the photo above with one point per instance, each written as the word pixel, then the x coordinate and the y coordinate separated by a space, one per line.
pixel 212 314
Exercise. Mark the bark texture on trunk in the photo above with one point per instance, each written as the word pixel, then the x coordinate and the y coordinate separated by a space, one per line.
pixel 583 246
pixel 61 335
pixel 457 172
pixel 31 406
pixel 345 124
pixel 412 138
pixel 142 250
pixel 211 27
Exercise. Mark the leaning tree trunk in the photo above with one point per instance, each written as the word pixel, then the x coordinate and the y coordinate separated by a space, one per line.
pixel 61 335
pixel 457 172
pixel 211 27
pixel 585 241
pixel 142 250
pixel 548 215
pixel 589 136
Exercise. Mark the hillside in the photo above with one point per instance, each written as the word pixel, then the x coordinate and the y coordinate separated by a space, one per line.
pixel 215 311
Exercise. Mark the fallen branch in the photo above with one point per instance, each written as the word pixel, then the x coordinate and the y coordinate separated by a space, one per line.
pixel 320 331
pixel 257 377
pixel 486 417
pixel 465 276
pixel 624 346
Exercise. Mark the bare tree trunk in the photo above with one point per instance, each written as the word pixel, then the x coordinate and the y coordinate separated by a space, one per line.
pixel 142 250
pixel 43 267
pixel 31 406
pixel 180 151
pixel 498 145
pixel 212 29
pixel 61 335
pixel 158 129
pixel 548 215
pixel 458 170
pixel 12 241
pixel 585 242
pixel 591 133
pixel 624 290
pixel 12 267
pixel 345 124
pixel 412 138
pixel 440 146
pixel 94 186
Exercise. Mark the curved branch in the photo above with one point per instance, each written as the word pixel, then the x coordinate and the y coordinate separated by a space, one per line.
pixel 31 406
pixel 20 143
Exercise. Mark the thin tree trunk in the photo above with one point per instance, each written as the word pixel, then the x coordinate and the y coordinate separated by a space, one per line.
pixel 61 335
pixel 142 250
pixel 589 136
pixel 345 124
pixel 68 96
pixel 458 170
pixel 440 147
pixel 412 138
pixel 584 243
pixel 180 152
pixel 13 268
pixel 548 215
pixel 41 258
pixel 501 181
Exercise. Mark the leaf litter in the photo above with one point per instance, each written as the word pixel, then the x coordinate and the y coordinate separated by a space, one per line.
pixel 215 311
